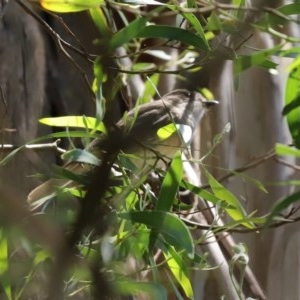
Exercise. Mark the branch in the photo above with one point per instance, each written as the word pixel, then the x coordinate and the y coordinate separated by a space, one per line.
pixel 46 146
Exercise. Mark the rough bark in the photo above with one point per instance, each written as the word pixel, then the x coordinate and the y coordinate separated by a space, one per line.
pixel 22 79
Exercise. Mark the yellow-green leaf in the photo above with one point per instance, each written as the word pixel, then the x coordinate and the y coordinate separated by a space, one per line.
pixel 235 209
pixel 179 270
pixel 4 265
pixel 65 6
pixel 286 150
pixel 166 131
pixel 207 94
pixel 74 121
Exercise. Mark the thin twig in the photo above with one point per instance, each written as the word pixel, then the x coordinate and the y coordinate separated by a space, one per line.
pixel 283 162
pixel 221 229
pixel 83 51
pixel 269 155
pixel 45 146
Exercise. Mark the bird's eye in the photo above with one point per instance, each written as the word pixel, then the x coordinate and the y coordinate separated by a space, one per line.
pixel 188 93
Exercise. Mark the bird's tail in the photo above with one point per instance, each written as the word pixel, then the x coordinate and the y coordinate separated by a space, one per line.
pixel 51 188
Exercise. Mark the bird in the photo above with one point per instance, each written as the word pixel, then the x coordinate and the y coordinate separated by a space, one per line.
pixel 182 109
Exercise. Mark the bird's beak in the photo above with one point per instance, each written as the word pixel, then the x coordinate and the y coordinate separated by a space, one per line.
pixel 209 103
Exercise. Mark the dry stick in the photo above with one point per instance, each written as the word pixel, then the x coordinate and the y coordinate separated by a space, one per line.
pixel 45 146
pixel 83 52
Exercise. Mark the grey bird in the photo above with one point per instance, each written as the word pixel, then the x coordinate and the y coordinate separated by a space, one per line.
pixel 140 138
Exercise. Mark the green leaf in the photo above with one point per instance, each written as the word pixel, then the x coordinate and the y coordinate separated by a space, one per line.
pixel 170 184
pixel 154 290
pixel 132 30
pixel 82 156
pixel 235 211
pixel 40 257
pixel 194 21
pixel 292 52
pixel 214 23
pixel 138 67
pixel 268 64
pixel 4 265
pixel 285 150
pixel 244 62
pixel 99 19
pixel 290 9
pixel 65 6
pixel 282 204
pixel 144 2
pixel 74 121
pixel 239 13
pixel 179 270
pixel 206 195
pixel 168 191
pixel 295 104
pixel 166 131
pixel 277 17
pixel 149 89
pixel 64 173
pixel 169 226
pixel 100 78
pixel 173 33
pixel 207 94
pixel 292 108
pixel 191 4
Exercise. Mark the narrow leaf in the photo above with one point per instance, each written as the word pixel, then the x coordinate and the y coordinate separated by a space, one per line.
pixel 292 108
pixel 154 290
pixel 194 21
pixel 4 264
pixel 74 121
pixel 132 30
pixel 166 131
pixel 285 150
pixel 173 33
pixel 169 226
pixel 100 21
pixel 206 195
pixel 283 204
pixel 244 62
pixel 235 211
pixel 290 9
pixel 179 270
pixel 65 6
pixel 170 184
pixel 149 89
pixel 81 156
